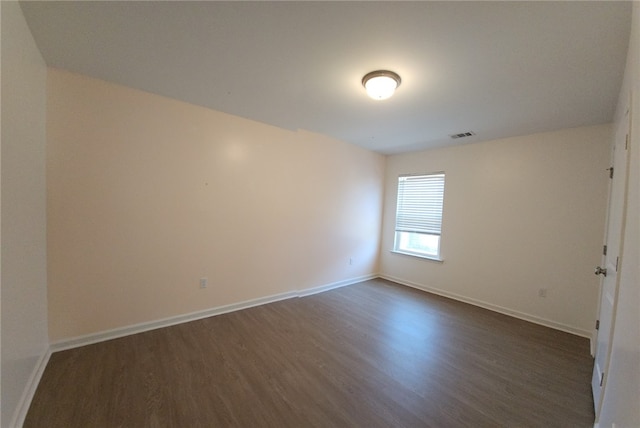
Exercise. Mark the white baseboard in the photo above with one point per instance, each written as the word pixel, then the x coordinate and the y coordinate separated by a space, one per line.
pixel 496 308
pixel 27 395
pixel 193 316
pixel 338 284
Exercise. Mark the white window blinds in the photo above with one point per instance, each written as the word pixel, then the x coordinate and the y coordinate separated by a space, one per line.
pixel 420 199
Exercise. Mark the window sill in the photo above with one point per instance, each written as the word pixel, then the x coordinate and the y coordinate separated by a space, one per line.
pixel 420 256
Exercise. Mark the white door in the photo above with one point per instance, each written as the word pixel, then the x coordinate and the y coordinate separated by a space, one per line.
pixel 611 261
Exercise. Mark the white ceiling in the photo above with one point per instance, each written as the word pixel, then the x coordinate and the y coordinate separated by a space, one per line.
pixel 499 69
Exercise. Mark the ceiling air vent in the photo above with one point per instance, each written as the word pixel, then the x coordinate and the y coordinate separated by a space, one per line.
pixel 462 135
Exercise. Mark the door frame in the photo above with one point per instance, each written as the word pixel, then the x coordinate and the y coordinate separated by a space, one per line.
pixel 624 127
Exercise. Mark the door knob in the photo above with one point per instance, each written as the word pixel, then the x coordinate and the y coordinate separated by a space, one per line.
pixel 600 271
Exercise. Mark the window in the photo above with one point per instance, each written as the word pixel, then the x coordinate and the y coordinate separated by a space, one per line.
pixel 419 215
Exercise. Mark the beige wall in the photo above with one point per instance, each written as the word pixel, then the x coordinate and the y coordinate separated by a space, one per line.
pixel 146 195
pixel 24 278
pixel 520 214
pixel 622 386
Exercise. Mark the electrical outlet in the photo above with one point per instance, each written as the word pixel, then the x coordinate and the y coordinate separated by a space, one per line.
pixel 542 292
pixel 203 282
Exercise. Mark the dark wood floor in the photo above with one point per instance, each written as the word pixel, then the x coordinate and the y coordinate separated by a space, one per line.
pixel 373 354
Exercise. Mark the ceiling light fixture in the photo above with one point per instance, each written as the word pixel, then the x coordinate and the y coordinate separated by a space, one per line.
pixel 381 84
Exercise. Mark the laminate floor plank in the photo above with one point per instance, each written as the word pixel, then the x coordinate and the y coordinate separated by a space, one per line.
pixel 373 354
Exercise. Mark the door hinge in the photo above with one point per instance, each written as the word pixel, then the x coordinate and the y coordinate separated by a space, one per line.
pixel 610 169
pixel 601 378
pixel 604 250
pixel 617 260
pixel 626 142
pixel 597 324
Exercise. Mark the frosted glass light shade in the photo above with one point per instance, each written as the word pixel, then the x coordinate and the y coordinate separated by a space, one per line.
pixel 381 84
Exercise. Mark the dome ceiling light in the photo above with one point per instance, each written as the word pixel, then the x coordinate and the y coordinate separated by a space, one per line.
pixel 381 84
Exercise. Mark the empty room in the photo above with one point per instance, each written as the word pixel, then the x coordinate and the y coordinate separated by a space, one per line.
pixel 320 214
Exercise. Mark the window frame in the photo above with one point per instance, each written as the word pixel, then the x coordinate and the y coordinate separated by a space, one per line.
pixel 437 257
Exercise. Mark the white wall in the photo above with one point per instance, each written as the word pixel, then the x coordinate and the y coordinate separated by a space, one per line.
pixel 622 387
pixel 520 214
pixel 146 195
pixel 24 280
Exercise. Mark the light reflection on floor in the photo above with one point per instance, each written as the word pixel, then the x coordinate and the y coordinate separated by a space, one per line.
pixel 412 337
